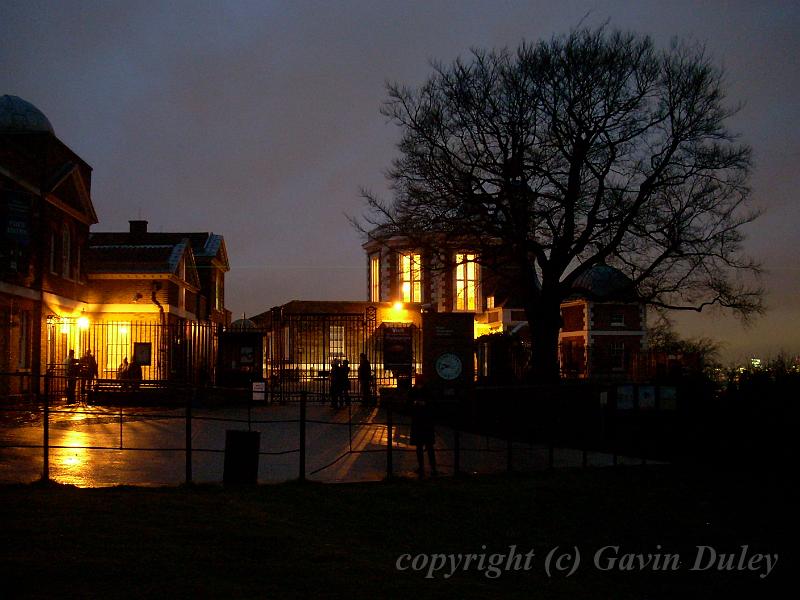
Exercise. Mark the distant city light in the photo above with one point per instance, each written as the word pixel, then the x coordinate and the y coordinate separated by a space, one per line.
pixel 755 363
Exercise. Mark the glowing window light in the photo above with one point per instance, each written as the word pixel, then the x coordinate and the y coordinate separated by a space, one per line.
pixel 411 277
pixel 123 330
pixel 466 282
pixel 65 328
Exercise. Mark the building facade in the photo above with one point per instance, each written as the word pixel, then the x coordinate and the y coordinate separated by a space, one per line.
pixel 116 294
pixel 603 331
pixel 45 199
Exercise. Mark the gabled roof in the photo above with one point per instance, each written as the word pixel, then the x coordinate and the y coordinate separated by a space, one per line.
pixel 141 259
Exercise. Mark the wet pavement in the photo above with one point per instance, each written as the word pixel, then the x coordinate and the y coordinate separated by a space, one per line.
pixel 100 446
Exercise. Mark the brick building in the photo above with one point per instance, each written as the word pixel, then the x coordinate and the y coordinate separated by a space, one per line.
pixel 603 321
pixel 449 278
pixel 62 288
pixel 603 328
pixel 45 214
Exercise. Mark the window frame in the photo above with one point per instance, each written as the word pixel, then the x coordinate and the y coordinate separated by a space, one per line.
pixel 461 302
pixel 410 276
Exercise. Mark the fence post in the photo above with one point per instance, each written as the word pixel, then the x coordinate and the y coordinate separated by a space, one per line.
pixel 302 473
pixel 510 437
pixel 456 450
pixel 189 401
pixel 389 469
pixel 46 429
pixel 349 427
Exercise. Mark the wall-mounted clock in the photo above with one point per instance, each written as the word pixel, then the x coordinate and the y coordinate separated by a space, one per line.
pixel 448 366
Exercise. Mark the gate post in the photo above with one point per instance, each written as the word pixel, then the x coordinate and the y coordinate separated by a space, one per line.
pixel 389 469
pixel 46 429
pixel 189 402
pixel 302 473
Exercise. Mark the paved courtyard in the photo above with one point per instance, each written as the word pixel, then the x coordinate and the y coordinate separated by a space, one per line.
pixel 99 446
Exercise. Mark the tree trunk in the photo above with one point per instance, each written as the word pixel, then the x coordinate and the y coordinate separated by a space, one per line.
pixel 544 321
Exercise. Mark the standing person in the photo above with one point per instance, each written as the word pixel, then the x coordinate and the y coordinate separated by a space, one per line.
pixel 135 374
pixel 334 383
pixel 423 435
pixel 365 379
pixel 346 382
pixel 71 374
pixel 122 369
pixel 88 370
pixel 122 372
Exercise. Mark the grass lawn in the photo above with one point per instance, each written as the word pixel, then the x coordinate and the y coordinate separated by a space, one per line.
pixel 313 540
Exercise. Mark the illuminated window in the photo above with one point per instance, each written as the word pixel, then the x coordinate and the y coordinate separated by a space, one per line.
pixel 489 302
pixel 410 277
pixel 336 343
pixel 375 278
pixel 466 282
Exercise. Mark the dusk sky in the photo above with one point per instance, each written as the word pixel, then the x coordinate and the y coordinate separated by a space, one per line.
pixel 260 121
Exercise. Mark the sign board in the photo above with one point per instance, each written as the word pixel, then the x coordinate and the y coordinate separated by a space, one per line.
pixel 647 396
pixel 397 348
pixel 448 349
pixel 259 390
pixel 624 397
pixel 668 398
pixel 142 353
pixel 15 231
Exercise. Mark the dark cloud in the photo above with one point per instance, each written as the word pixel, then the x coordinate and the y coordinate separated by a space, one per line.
pixel 259 120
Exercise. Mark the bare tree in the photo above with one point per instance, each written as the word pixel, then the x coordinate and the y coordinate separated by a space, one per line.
pixel 589 148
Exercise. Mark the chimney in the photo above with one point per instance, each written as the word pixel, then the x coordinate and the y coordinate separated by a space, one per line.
pixel 138 226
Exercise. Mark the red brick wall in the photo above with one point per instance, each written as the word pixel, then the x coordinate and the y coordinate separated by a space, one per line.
pixel 123 291
pixel 602 314
pixel 573 318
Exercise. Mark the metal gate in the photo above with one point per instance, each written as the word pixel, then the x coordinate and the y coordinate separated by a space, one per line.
pixel 300 349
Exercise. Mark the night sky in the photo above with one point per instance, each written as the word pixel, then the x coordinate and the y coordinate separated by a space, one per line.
pixel 259 121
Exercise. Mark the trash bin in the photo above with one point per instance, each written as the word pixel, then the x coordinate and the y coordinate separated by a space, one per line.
pixel 241 457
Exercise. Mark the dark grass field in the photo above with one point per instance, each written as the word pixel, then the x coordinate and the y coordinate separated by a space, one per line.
pixel 314 540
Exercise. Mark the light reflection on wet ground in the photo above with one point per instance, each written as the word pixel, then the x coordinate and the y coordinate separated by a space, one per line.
pixel 96 446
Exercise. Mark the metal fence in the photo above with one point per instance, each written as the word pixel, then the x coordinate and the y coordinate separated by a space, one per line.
pixel 181 351
pixel 299 350
pixel 183 436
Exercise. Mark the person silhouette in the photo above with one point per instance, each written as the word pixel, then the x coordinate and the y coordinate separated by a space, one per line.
pixel 71 374
pixel 365 379
pixel 423 434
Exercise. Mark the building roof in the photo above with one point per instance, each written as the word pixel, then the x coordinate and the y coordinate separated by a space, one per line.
pixel 130 259
pixel 20 116
pixel 318 307
pixel 205 246
pixel 604 282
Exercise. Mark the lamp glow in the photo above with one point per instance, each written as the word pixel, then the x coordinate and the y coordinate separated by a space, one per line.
pixel 398 306
pixel 83 323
